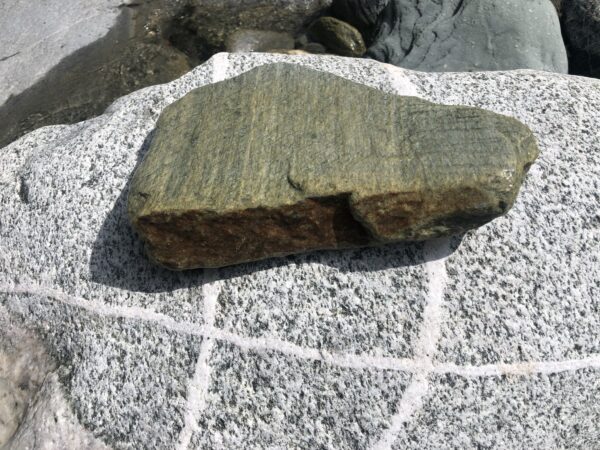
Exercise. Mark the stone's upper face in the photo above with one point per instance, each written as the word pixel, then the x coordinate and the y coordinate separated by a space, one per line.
pixel 460 35
pixel 287 159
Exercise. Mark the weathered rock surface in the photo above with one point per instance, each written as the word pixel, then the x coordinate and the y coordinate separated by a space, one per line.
pixel 339 37
pixel 34 413
pixel 50 424
pixel 444 345
pixel 581 25
pixel 38 36
pixel 229 178
pixel 23 366
pixel 460 35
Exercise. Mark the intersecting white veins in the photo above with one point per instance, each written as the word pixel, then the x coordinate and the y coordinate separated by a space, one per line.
pixel 349 360
pixel 198 385
pixel 435 254
pixel 419 366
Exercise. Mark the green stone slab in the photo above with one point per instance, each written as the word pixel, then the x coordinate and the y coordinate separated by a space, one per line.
pixel 285 159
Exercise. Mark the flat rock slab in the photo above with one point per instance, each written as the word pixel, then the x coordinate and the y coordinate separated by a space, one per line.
pixel 284 159
pixel 440 345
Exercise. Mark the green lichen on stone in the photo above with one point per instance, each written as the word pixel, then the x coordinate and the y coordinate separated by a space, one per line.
pixel 285 159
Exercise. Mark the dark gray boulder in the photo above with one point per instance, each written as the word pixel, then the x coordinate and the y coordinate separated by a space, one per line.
pixel 460 35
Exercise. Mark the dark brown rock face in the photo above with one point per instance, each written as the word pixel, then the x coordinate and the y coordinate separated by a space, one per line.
pixel 284 159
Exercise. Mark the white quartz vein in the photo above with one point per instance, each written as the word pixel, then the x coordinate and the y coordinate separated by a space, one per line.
pixel 347 360
pixel 198 385
pixel 412 400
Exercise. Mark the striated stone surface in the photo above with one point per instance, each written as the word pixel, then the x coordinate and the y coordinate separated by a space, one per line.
pixel 460 35
pixel 338 36
pixel 490 341
pixel 229 178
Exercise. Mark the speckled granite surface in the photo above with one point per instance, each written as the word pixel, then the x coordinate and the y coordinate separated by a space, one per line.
pixel 490 340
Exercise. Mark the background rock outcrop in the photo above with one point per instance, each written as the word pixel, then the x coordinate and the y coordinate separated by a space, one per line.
pixel 214 20
pixel 460 35
pixel 456 343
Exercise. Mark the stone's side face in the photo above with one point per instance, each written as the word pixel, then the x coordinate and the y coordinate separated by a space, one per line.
pixel 240 181
pixel 339 37
pixel 462 35
pixel 326 348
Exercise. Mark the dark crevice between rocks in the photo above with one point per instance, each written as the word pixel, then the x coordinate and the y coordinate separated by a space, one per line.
pixel 23 191
pixel 5 58
pixel 579 30
pixel 182 34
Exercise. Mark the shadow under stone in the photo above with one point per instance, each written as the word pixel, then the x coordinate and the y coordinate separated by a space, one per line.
pixel 119 260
